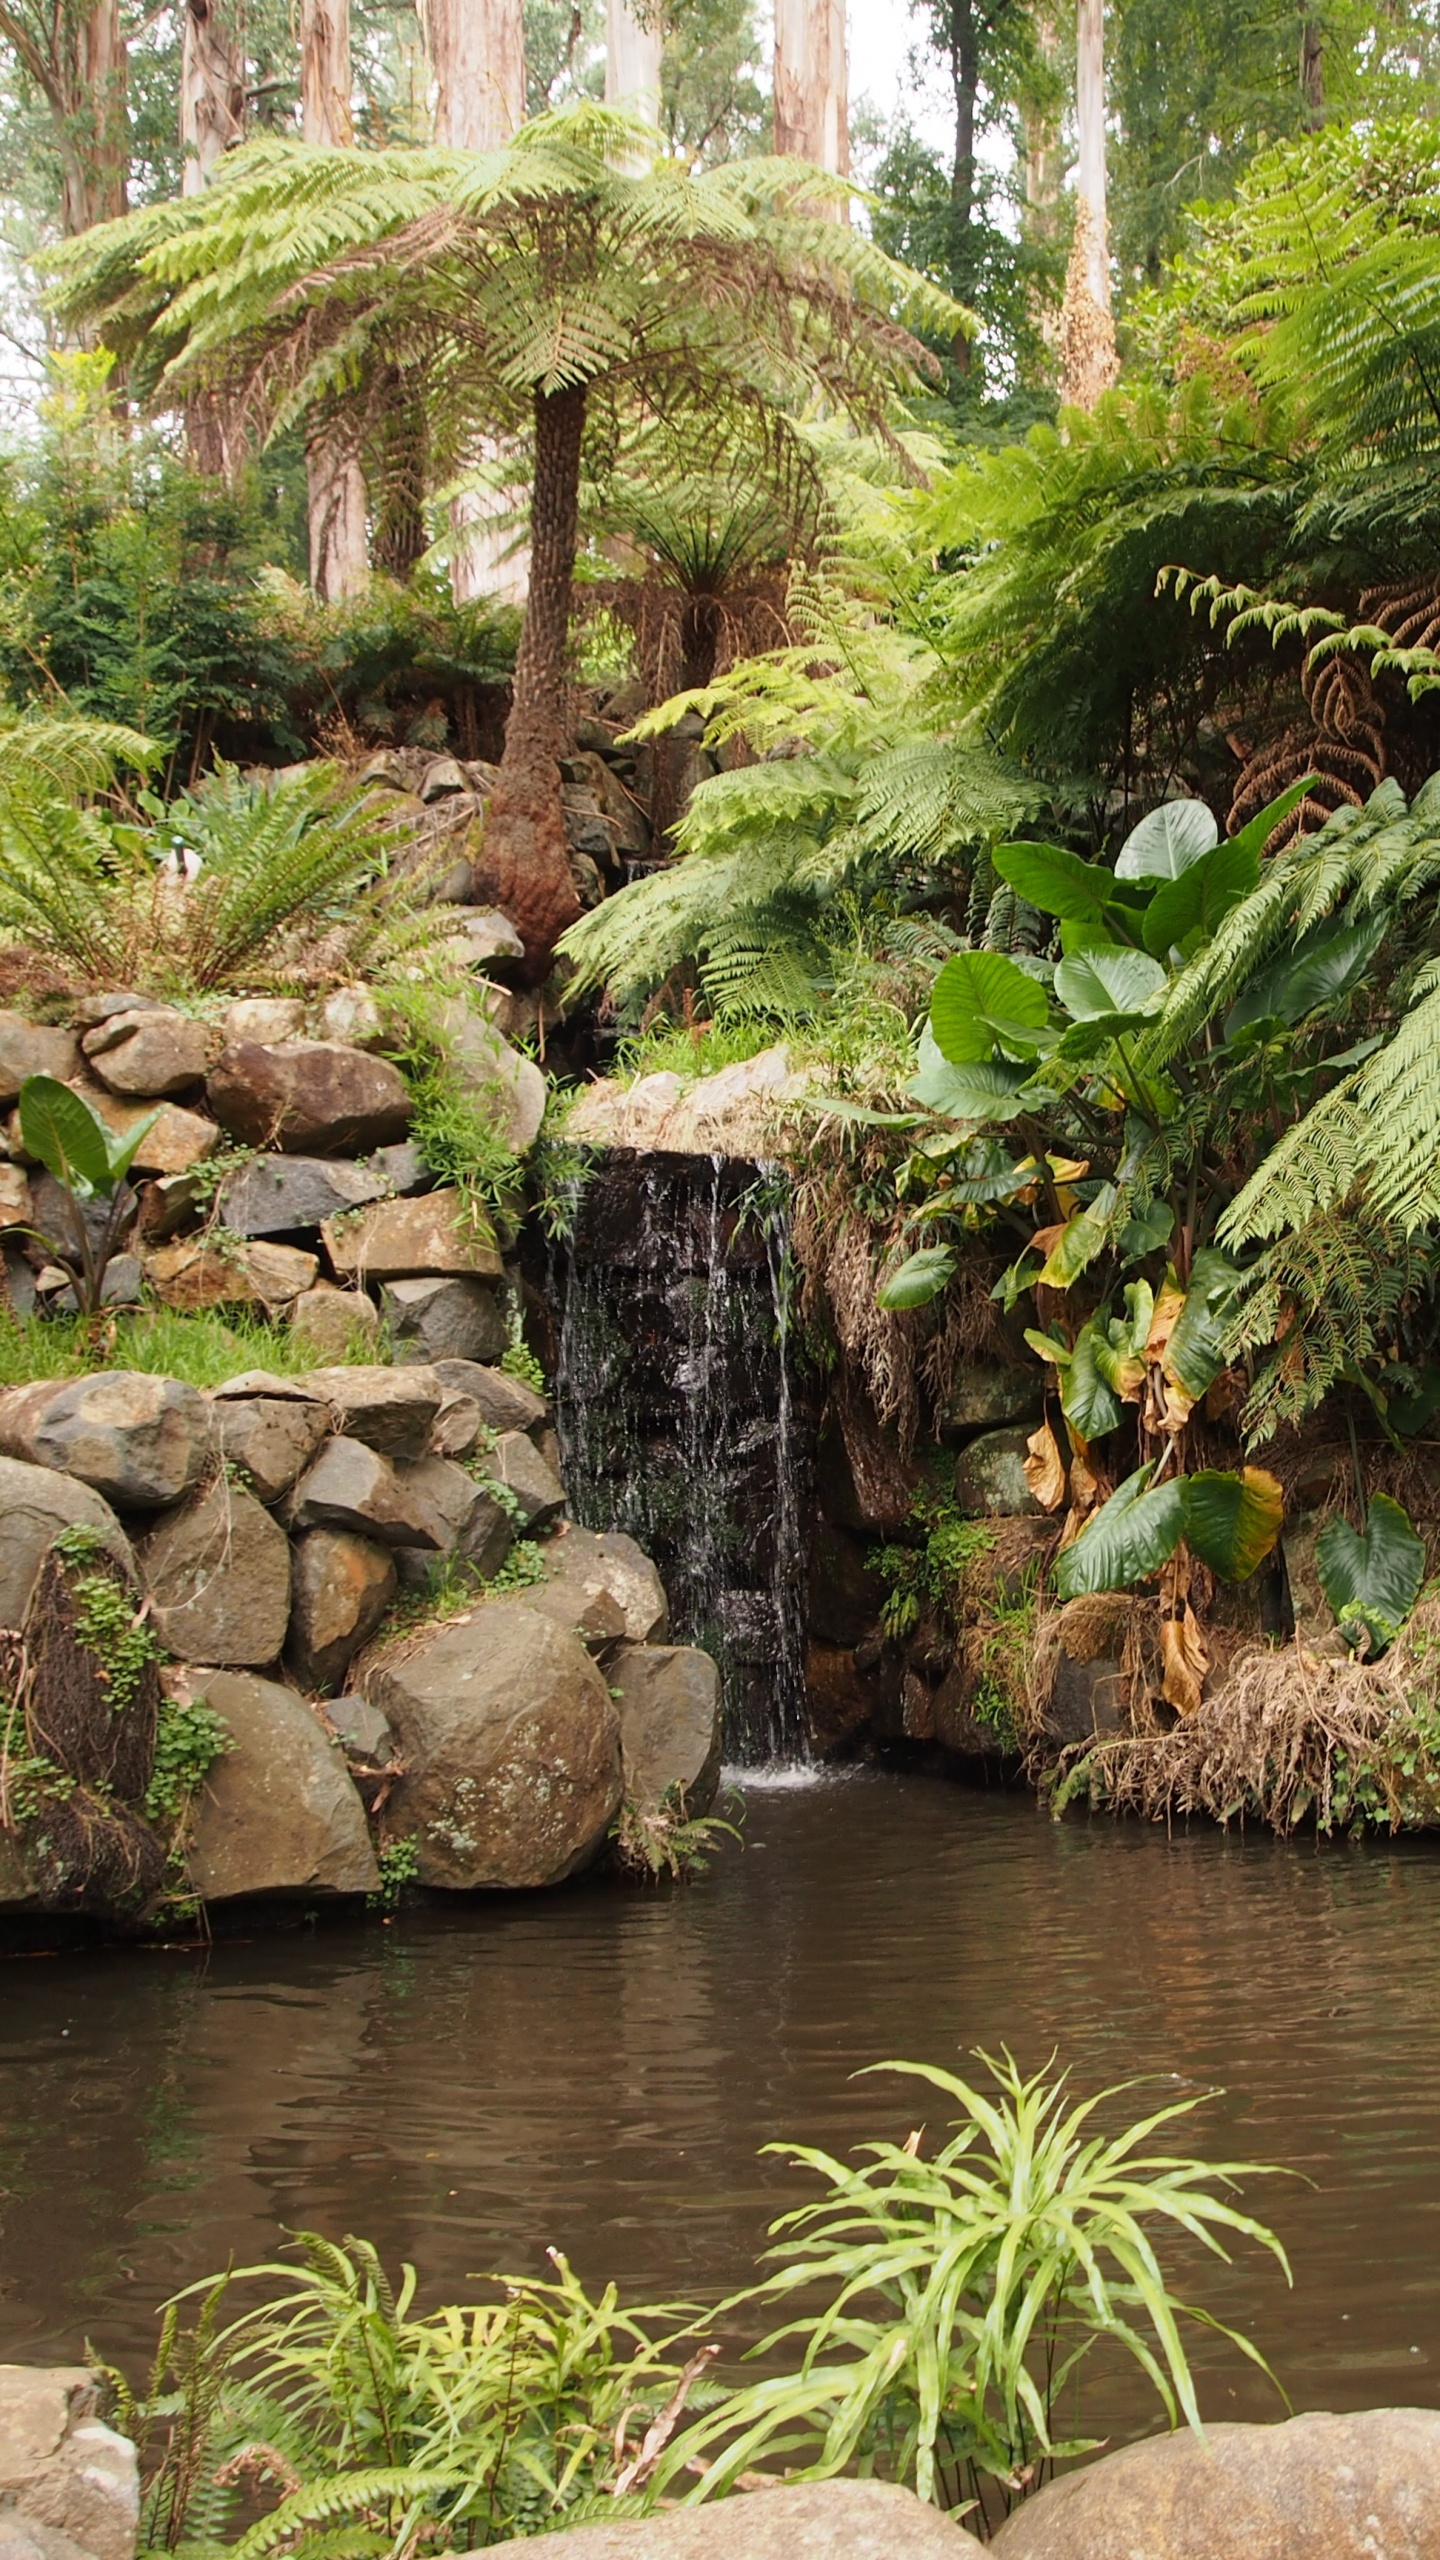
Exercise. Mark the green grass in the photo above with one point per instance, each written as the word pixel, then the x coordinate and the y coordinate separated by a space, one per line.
pixel 692 1050
pixel 200 1350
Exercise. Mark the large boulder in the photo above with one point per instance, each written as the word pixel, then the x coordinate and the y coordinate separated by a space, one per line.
pixel 389 1409
pixel 477 1528
pixel 739 1111
pixel 149 1051
pixel 990 1480
pixel 309 1097
pixel 268 1427
pixel 192 1276
pixel 342 1586
pixel 141 1441
pixel 983 1394
pixel 33 1049
pixel 816 2520
pixel 278 1813
pixel 287 1195
pixel 218 1574
pixel 332 1323
pixel 62 2472
pixel 603 1585
pixel 511 1746
pixel 353 1487
pixel 510 1088
pixel 453 1319
pixel 35 1504
pixel 669 1701
pixel 506 1403
pixel 410 1239
pixel 536 1492
pixel 1360 2487
pixel 176 1140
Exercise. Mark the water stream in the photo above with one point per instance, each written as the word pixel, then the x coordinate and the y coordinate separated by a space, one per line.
pixel 680 1420
pixel 598 2068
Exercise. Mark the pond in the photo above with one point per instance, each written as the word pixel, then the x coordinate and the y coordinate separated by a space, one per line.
pixel 597 2069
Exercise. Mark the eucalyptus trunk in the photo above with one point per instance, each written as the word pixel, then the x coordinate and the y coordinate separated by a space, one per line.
pixel 524 865
pixel 212 91
pixel 92 125
pixel 334 483
pixel 1087 328
pixel 811 103
pixel 634 51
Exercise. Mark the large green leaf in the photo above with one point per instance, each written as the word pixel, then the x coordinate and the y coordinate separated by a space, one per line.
pixel 972 986
pixel 1087 1398
pixel 1325 966
pixel 1194 1354
pixel 984 1090
pixel 1079 1240
pixel 1056 882
pixel 62 1132
pixel 1108 979
pixel 1202 895
pixel 1128 1539
pixel 918 1280
pixel 1176 834
pixel 1233 1520
pixel 1372 1582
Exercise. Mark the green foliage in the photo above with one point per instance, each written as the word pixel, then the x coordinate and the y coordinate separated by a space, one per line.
pixel 61 1132
pixel 202 1350
pixel 189 1738
pixel 436 1025
pixel 1372 1578
pixel 961 2293
pixel 932 1571
pixel 106 1621
pixel 655 1840
pixel 518 1361
pixel 399 1864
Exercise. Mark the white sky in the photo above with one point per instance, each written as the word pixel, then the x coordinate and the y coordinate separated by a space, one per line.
pixel 883 33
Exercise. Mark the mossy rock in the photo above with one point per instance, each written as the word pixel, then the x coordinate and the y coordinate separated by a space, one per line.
pixel 990 1477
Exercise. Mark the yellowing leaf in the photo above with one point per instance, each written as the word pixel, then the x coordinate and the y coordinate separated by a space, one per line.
pixel 1045 1468
pixel 1168 1307
pixel 1185 1660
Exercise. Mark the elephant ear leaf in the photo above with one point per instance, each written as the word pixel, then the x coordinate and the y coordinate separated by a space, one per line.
pixel 1127 1540
pixel 1055 881
pixel 1194 1355
pixel 971 988
pixel 1233 1520
pixel 61 1132
pixel 918 1280
pixel 1176 834
pixel 1372 1582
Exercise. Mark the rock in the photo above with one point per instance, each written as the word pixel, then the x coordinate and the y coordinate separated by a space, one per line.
pixel 278 1814
pixel 191 1275
pixel 585 1562
pixel 218 1573
pixel 455 1319
pixel 990 1477
pixel 33 1049
pixel 93 1009
pixel 401 1170
pixel 19 1891
pixel 815 2520
pixel 1313 1617
pixel 489 934
pixel 282 1195
pixel 153 1053
pixel 846 1592
pixel 341 1588
pixel 266 1019
pixel 351 1486
pixel 63 2473
pixel 670 1730
pixel 442 775
pixel 351 1015
pixel 456 1430
pixel 983 1394
pixel 511 1088
pixel 178 1141
pixel 1088 1690
pixel 408 1239
pixel 506 1403
pixel 954 1723
pixel 389 1409
pixel 333 1321
pixel 140 1441
pixel 361 1727
pixel 478 1529
pixel 311 1097
pixel 516 1463
pixel 35 1504
pixel 16 1209
pixel 271 1437
pixel 740 1111
pixel 511 1746
pixel 1358 2487
pixel 169 1206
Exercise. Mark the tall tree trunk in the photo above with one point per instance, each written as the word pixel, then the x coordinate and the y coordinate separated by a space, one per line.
pixel 524 865
pixel 634 49
pixel 92 126
pixel 334 483
pixel 1087 328
pixel 963 46
pixel 477 62
pixel 212 91
pixel 1044 162
pixel 812 119
pixel 1312 67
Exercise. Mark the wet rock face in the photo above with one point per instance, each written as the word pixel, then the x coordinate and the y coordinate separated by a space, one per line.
pixel 278 1813
pixel 67 2482
pixel 218 1574
pixel 512 1749
pixel 309 1097
pixel 140 1441
pixel 819 2520
pixel 1312 2488
pixel 669 1702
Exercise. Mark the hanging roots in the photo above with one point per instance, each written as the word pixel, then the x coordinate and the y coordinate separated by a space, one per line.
pixel 1289 1736
pixel 87 1855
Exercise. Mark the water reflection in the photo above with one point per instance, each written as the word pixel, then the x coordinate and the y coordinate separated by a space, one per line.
pixel 598 2068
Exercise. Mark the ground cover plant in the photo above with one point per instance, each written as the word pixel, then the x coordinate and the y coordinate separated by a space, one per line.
pixel 312 2406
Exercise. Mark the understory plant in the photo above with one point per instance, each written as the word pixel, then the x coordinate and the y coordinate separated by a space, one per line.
pixel 61 1132
pixel 652 1840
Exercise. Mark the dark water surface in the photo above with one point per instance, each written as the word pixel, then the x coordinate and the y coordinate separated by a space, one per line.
pixel 597 2068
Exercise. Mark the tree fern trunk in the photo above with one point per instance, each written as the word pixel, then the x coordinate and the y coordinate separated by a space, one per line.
pixel 525 864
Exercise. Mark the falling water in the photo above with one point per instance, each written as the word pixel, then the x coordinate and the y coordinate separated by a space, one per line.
pixel 680 1419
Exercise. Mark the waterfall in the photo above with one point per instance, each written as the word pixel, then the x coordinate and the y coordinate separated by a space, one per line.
pixel 680 1418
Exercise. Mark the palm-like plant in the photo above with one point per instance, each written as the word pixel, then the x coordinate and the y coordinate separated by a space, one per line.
pixel 544 291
